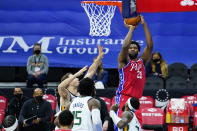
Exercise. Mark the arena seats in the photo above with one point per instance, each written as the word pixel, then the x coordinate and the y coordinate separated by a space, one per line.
pixel 178 69
pixel 53 101
pixel 146 101
pixel 153 118
pixel 108 102
pixel 3 103
pixel 154 83
pixel 193 71
pixel 2 115
pixel 193 83
pixel 3 107
pixel 190 100
pixel 16 76
pixel 176 82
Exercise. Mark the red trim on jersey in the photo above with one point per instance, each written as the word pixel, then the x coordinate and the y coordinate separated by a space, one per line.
pixel 138 114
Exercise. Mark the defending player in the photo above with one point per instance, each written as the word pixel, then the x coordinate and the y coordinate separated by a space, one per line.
pixel 68 88
pixel 86 109
pixel 128 120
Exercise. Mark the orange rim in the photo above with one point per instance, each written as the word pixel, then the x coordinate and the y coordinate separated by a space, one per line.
pixel 112 3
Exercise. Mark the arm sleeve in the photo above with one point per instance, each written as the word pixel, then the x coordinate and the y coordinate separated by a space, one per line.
pixel 29 68
pixel 46 66
pixel 114 117
pixel 97 123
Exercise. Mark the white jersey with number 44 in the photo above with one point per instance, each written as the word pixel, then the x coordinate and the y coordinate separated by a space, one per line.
pixel 82 114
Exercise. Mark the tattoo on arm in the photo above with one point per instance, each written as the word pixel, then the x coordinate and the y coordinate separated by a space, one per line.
pixel 63 92
pixel 94 103
pixel 126 118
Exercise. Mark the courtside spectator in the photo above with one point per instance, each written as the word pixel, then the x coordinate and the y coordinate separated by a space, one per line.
pixel 37 67
pixel 16 103
pixel 157 66
pixel 36 113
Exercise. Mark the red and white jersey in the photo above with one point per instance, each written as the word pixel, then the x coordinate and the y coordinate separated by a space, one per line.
pixel 132 79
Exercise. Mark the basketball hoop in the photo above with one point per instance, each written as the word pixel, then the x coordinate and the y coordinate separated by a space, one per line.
pixel 100 14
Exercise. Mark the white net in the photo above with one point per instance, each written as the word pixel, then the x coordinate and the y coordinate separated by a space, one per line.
pixel 100 18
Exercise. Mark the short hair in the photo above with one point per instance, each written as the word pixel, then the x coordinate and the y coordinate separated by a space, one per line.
pixel 37 44
pixel 36 89
pixel 8 121
pixel 65 76
pixel 65 118
pixel 86 87
pixel 135 103
pixel 136 43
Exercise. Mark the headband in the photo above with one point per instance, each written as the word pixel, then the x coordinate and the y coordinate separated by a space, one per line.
pixel 130 106
pixel 13 127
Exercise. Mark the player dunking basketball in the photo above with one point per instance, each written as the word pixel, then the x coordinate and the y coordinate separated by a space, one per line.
pixel 131 67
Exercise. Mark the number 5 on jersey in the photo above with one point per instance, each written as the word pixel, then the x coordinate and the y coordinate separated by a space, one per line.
pixel 77 117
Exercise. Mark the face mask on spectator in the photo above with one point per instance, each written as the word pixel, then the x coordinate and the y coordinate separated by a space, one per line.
pixel 156 60
pixel 38 98
pixel 37 52
pixel 18 96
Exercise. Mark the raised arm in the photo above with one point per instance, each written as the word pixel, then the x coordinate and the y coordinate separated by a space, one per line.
pixel 149 47
pixel 94 66
pixel 120 122
pixel 65 83
pixel 123 56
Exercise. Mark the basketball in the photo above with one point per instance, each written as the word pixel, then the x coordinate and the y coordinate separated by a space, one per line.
pixel 133 21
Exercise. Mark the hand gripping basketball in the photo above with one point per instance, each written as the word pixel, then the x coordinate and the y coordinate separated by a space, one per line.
pixel 133 21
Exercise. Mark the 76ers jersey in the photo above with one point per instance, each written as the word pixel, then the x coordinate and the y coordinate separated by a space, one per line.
pixel 132 79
